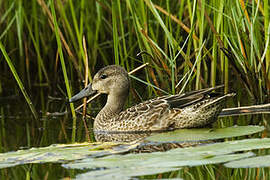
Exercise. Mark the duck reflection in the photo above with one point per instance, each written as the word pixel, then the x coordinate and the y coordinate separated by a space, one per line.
pixel 144 145
pixel 103 136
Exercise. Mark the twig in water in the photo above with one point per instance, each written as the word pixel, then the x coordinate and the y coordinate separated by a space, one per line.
pixel 245 110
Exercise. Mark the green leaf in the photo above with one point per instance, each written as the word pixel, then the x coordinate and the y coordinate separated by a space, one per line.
pixel 192 156
pixel 187 135
pixel 123 173
pixel 62 153
pixel 154 160
pixel 260 161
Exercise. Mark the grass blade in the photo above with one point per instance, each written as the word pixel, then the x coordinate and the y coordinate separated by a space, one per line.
pixel 59 44
pixel 19 82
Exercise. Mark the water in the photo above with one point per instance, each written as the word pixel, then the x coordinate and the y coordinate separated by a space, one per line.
pixel 19 130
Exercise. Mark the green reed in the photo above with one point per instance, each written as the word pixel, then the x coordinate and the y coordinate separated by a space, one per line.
pixel 64 71
pixel 19 82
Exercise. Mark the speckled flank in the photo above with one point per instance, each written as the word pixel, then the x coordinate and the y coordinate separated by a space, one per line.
pixel 189 110
pixel 156 114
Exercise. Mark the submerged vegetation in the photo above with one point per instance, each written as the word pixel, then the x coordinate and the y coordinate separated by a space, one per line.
pixel 192 45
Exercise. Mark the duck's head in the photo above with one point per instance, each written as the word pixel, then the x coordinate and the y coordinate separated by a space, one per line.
pixel 111 80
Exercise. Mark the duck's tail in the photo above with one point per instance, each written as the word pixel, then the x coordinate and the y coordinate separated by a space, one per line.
pixel 220 99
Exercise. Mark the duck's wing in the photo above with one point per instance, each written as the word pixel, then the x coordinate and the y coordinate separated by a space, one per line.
pixel 187 99
pixel 159 105
pixel 147 108
pixel 151 114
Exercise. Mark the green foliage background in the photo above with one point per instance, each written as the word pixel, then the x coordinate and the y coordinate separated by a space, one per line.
pixel 182 36
pixel 42 46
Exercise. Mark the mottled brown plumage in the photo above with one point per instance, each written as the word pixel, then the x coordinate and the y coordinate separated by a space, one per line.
pixel 189 110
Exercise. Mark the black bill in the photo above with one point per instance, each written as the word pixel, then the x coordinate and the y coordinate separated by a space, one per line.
pixel 88 91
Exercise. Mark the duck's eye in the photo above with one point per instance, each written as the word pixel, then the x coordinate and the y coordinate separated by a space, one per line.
pixel 103 76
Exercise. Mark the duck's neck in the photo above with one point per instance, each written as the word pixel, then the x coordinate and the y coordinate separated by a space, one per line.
pixel 114 105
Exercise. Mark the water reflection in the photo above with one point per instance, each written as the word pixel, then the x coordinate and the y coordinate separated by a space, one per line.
pixel 144 145
pixel 120 137
pixel 19 130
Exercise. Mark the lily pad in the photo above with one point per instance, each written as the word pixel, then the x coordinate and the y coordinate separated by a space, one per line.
pixel 260 161
pixel 128 166
pixel 227 147
pixel 110 164
pixel 154 160
pixel 123 173
pixel 189 135
pixel 62 153
pixel 193 156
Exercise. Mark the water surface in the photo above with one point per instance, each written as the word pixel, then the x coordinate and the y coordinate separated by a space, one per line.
pixel 19 130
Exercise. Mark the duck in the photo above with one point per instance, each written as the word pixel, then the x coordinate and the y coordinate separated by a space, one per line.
pixel 194 109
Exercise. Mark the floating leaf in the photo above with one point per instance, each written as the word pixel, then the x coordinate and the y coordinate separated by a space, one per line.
pixel 260 161
pixel 116 165
pixel 62 153
pixel 192 156
pixel 127 166
pixel 123 173
pixel 154 160
pixel 90 156
pixel 226 147
pixel 200 155
pixel 187 135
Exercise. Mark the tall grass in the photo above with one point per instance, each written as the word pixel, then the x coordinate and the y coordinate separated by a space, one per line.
pixel 193 44
pixel 64 70
pixel 172 32
pixel 18 80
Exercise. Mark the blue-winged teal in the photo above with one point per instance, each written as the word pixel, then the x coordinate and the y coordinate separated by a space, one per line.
pixel 189 110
